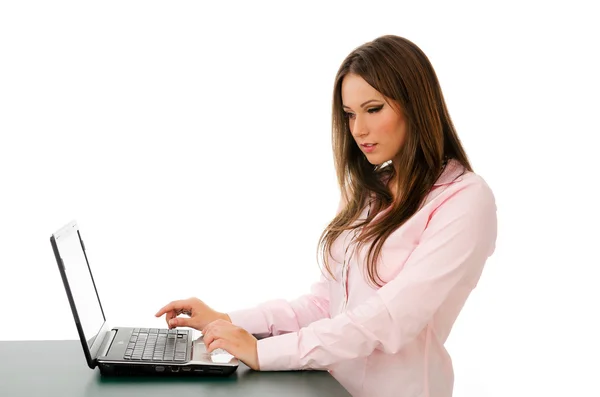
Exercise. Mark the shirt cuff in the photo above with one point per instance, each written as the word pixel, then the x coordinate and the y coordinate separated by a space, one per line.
pixel 279 353
pixel 252 320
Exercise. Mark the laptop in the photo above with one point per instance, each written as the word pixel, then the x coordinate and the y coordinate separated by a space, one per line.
pixel 126 350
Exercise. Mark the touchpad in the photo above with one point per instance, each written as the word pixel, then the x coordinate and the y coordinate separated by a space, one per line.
pixel 218 356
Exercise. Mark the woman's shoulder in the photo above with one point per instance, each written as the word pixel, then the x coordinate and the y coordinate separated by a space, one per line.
pixel 461 184
pixel 458 184
pixel 455 173
pixel 455 176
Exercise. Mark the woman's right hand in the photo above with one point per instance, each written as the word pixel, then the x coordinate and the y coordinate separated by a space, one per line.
pixel 200 315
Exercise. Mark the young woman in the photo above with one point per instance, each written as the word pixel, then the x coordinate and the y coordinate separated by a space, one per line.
pixel 413 231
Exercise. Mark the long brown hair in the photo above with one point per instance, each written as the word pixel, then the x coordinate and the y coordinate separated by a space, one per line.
pixel 400 71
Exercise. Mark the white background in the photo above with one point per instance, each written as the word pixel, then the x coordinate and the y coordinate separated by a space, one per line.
pixel 192 144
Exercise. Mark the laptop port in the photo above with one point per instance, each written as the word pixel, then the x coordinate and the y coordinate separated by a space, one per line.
pixel 159 368
pixel 186 369
pixel 174 369
pixel 198 370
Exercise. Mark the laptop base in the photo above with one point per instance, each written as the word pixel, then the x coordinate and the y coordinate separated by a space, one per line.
pixel 148 369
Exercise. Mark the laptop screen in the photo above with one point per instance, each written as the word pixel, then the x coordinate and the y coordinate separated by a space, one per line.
pixel 80 281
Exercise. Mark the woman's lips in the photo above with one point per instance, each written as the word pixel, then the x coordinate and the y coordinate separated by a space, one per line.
pixel 368 148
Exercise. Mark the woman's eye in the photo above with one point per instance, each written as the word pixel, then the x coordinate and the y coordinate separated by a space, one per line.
pixel 349 115
pixel 374 110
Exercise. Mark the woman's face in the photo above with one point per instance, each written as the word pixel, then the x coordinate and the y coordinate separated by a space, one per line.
pixel 372 120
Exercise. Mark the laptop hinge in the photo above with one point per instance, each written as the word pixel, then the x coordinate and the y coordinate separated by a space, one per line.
pixel 108 342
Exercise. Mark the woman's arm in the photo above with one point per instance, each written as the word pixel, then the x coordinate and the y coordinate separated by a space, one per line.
pixel 442 270
pixel 278 317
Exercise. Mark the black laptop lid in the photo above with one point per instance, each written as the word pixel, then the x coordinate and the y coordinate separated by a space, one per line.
pixel 69 251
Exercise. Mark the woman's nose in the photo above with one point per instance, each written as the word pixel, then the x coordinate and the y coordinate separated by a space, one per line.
pixel 359 127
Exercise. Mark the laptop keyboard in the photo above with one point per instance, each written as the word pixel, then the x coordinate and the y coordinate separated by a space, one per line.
pixel 157 344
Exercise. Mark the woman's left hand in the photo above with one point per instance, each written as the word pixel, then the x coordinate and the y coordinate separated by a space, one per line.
pixel 238 342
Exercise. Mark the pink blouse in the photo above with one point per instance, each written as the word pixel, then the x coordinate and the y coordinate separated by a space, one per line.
pixel 388 341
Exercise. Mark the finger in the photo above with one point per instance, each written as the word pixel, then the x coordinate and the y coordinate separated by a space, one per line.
pixel 211 338
pixel 170 307
pixel 179 322
pixel 207 328
pixel 220 344
pixel 216 324
pixel 208 336
pixel 213 331
pixel 170 315
pixel 174 306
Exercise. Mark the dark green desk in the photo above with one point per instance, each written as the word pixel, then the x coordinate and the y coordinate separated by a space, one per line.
pixel 58 368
